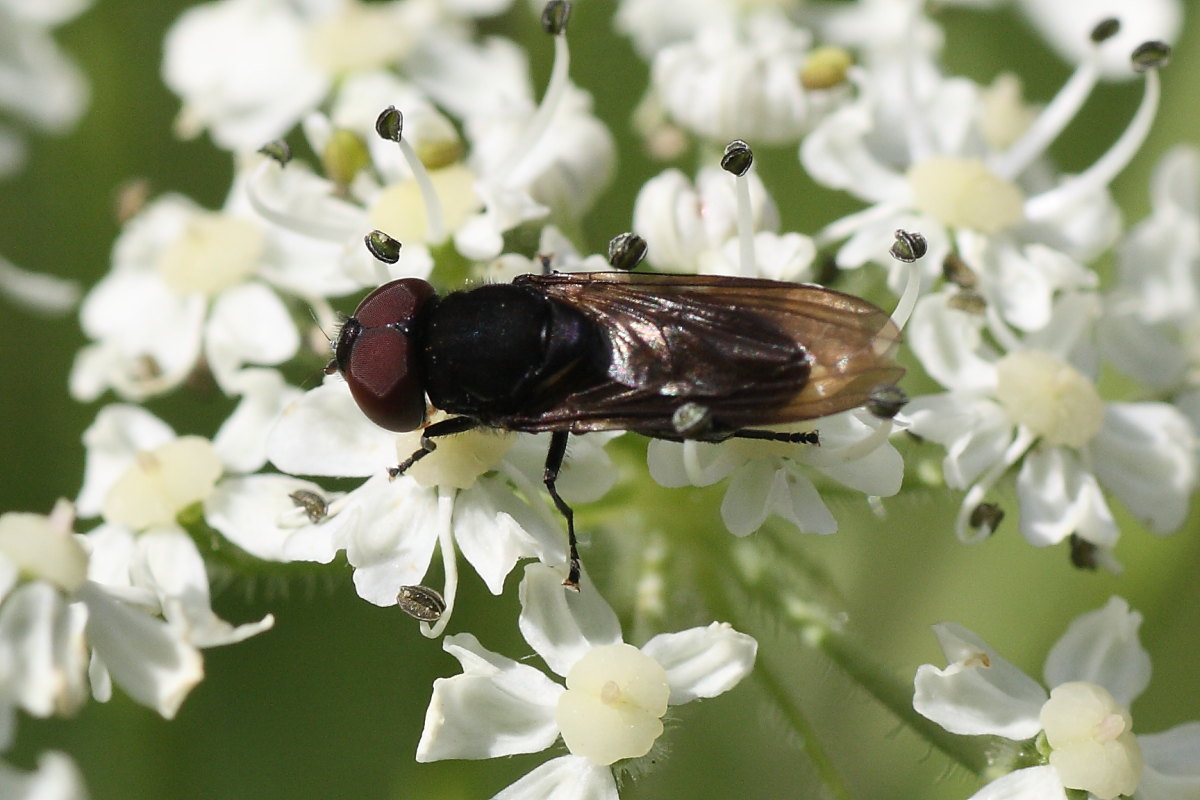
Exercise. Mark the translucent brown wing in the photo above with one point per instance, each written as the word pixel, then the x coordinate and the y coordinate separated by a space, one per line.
pixel 755 352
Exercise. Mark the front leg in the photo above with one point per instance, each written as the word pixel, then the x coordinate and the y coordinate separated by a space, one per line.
pixel 554 461
pixel 447 427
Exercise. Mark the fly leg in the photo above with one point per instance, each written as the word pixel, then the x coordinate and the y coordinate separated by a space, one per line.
pixel 446 427
pixel 795 437
pixel 554 461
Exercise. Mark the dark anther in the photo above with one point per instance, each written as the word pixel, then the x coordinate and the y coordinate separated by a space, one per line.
pixel 908 247
pixel 955 270
pixel 421 603
pixel 315 507
pixel 382 247
pixel 886 401
pixel 1083 552
pixel 691 420
pixel 626 251
pixel 968 300
pixel 555 16
pixel 986 517
pixel 1151 55
pixel 1106 29
pixel 738 158
pixel 390 124
pixel 277 150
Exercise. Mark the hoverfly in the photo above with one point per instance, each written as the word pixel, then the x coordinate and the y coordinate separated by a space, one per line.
pixel 668 356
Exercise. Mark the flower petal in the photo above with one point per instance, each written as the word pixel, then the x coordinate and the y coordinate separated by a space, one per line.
pixel 1145 453
pixel 145 656
pixel 1102 647
pixel 257 514
pixel 496 707
pixel 1059 497
pixel 43 654
pixel 171 564
pixel 562 624
pixel 390 540
pixel 974 430
pixel 248 324
pixel 979 692
pixel 241 441
pixel 564 778
pixel 324 433
pixel 949 342
pixel 56 778
pixel 1171 764
pixel 113 441
pixel 1032 783
pixel 703 662
pixel 487 535
pixel 763 487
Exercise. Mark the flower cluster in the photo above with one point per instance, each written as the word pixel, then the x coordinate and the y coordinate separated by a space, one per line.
pixel 434 143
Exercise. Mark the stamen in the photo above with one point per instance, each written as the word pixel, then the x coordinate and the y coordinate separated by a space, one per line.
pixel 1023 441
pixel 521 160
pixel 390 126
pixel 909 248
pixel 422 603
pixel 1055 117
pixel 314 227
pixel 449 563
pixel 382 247
pixel 841 228
pixel 1099 175
pixel 737 161
pixel 626 251
pixel 916 118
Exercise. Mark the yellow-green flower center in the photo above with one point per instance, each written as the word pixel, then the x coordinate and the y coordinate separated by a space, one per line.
pixel 213 253
pixel 613 706
pixel 964 193
pixel 1091 738
pixel 1050 397
pixel 162 482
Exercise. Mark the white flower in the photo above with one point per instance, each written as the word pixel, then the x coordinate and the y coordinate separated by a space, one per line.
pixel 279 59
pixel 975 182
pixel 43 657
pixel 771 479
pixel 56 778
pixel 654 24
pixel 38 292
pixel 41 86
pixel 1037 404
pixel 264 81
pixel 140 476
pixel 735 81
pixel 103 607
pixel 1095 671
pixel 687 226
pixel 550 161
pixel 611 707
pixel 202 283
pixel 466 495
pixel 1153 318
pixel 1066 24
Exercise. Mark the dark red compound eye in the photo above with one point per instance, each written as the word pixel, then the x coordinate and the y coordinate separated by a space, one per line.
pixel 380 358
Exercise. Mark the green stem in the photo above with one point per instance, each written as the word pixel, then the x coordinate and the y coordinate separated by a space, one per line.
pixel 787 704
pixel 816 627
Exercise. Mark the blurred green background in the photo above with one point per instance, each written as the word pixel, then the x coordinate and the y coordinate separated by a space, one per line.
pixel 330 703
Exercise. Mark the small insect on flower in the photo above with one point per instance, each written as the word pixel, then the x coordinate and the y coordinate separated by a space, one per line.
pixel 668 356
